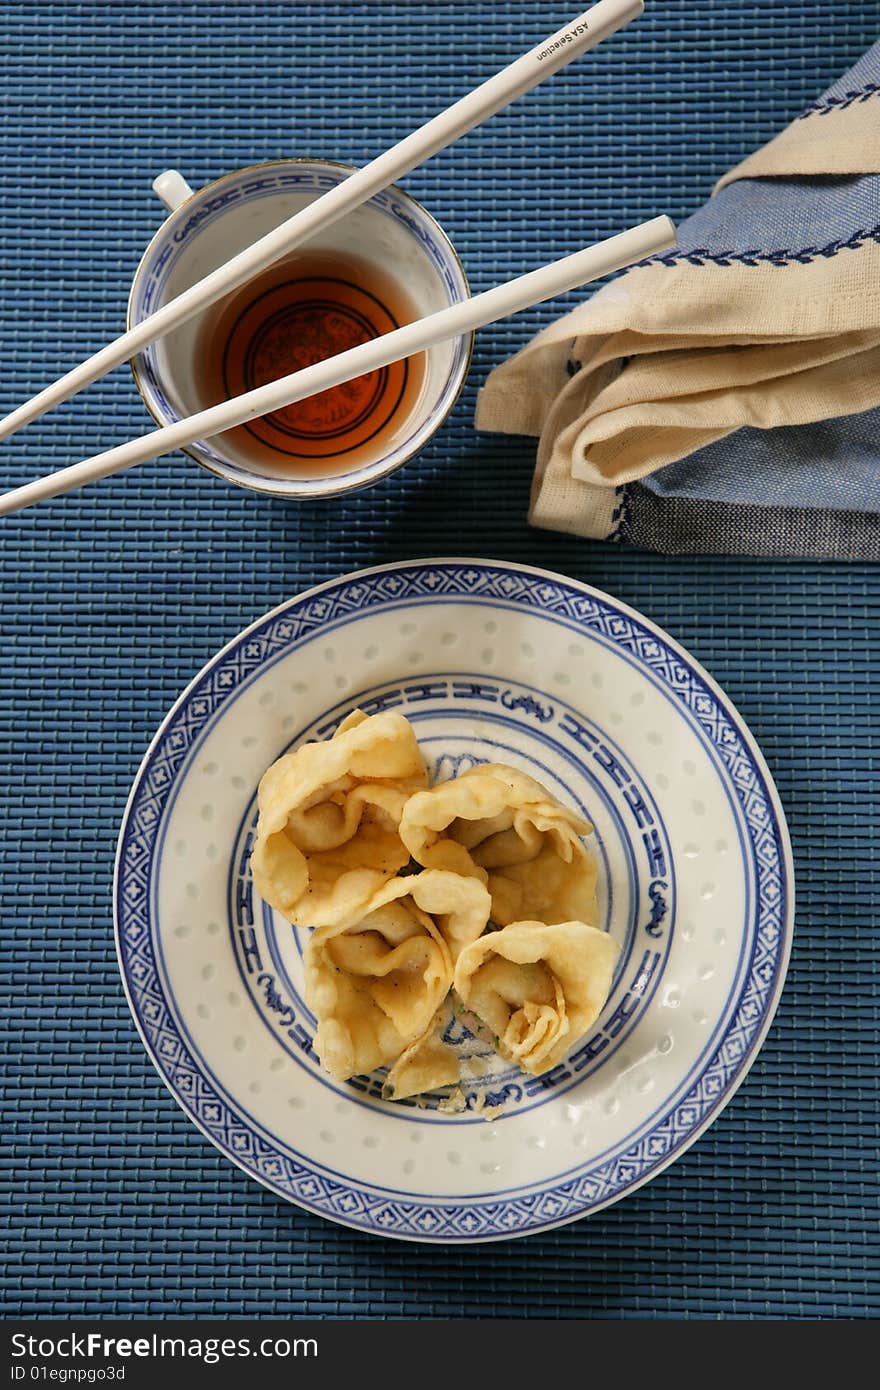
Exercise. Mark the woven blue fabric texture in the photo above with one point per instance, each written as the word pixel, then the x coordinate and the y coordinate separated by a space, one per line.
pixel 114 597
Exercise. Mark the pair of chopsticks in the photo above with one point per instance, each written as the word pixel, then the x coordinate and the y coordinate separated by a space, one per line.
pixel 583 34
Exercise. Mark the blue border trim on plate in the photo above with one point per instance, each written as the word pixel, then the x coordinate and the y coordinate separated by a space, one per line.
pixel 556 598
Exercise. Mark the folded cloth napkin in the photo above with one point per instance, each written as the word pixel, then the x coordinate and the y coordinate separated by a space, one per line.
pixel 725 397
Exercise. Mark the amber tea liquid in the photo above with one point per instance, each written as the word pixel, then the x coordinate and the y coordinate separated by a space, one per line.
pixel 294 314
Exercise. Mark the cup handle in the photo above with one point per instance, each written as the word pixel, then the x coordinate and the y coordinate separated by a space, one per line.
pixel 172 189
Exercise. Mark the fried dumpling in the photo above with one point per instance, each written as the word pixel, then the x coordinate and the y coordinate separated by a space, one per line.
pixel 502 826
pixel 423 1066
pixel 459 907
pixel 380 967
pixel 374 988
pixel 331 808
pixel 537 987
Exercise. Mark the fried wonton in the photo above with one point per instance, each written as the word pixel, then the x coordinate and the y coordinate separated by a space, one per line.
pixel 328 809
pixel 382 964
pixel 503 827
pixel 423 1066
pixel 537 987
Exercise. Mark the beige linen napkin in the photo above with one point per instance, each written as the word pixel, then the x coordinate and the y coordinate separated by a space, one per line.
pixel 767 314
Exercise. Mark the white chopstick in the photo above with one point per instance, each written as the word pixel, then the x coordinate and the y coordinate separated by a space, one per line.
pixel 584 33
pixel 452 322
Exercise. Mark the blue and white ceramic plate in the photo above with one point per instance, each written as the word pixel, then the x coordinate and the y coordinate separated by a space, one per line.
pixel 489 661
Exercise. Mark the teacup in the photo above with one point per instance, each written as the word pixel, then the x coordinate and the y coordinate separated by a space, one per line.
pixel 391 231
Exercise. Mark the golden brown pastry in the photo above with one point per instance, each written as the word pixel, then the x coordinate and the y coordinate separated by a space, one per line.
pixel 328 809
pixel 500 825
pixel 537 987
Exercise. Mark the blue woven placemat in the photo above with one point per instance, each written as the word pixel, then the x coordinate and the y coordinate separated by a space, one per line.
pixel 113 598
